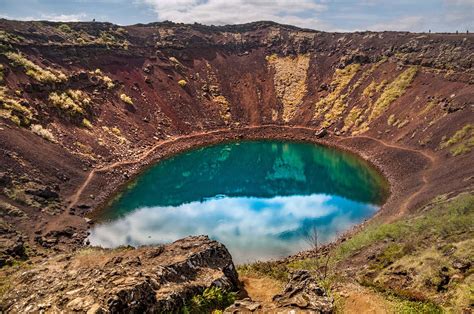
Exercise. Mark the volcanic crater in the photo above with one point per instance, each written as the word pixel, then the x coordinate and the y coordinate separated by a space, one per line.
pixel 86 107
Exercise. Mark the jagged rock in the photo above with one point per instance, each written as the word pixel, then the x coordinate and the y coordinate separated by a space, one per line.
pixel 127 280
pixel 243 306
pixel 302 292
pixel 321 133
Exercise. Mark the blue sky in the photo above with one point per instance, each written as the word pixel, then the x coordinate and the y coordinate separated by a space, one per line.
pixel 328 15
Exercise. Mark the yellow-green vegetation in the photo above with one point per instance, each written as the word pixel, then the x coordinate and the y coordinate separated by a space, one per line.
pixel 126 99
pixel 429 253
pixel 212 300
pixel 429 106
pixel 35 71
pixel 7 209
pixel 65 28
pixel 10 38
pixel 393 121
pixel 87 124
pixel 12 109
pixel 43 132
pixel 366 74
pixel 73 102
pixel 334 104
pixel 182 83
pixel 274 270
pixel 290 81
pixel 370 90
pixel 393 91
pixel 2 68
pixel 224 107
pixel 115 132
pixel 461 142
pixel 104 78
pixel 352 118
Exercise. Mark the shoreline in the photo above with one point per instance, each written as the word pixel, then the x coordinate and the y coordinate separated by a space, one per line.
pixel 111 179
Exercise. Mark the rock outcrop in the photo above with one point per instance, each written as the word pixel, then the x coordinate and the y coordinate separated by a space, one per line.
pixel 303 293
pixel 124 280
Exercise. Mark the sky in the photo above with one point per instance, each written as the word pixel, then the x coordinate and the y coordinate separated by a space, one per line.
pixel 326 15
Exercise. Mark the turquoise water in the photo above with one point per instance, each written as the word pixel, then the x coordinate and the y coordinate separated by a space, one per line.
pixel 259 198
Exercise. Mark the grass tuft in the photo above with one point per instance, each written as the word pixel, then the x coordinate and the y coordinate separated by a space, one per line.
pixel 393 91
pixel 126 99
pixel 35 71
pixel 44 133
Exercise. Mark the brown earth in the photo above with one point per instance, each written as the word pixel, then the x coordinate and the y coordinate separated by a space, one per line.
pixel 393 98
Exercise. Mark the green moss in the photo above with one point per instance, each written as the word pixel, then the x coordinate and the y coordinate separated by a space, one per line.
pixel 35 71
pixel 393 91
pixel 404 306
pixel 212 299
pixel 277 271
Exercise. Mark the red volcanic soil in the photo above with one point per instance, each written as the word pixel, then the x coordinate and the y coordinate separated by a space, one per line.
pixel 393 98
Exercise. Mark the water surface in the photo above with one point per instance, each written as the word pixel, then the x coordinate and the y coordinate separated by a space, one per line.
pixel 259 198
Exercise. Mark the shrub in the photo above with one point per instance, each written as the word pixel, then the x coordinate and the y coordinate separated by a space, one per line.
pixel 35 71
pixel 12 109
pixel 461 142
pixel 126 99
pixel 44 133
pixel 213 298
pixel 73 102
pixel 65 28
pixel 86 123
pixel 182 83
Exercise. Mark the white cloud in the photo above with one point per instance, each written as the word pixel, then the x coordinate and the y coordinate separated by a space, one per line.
pixel 407 23
pixel 251 228
pixel 297 12
pixel 50 17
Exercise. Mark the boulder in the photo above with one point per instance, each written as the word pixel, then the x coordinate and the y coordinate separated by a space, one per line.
pixel 302 292
pixel 158 279
pixel 243 306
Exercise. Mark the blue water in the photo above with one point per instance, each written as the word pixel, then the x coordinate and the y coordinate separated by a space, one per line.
pixel 259 198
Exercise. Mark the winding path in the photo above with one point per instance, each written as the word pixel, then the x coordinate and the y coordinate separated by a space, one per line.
pixel 74 199
pixel 432 159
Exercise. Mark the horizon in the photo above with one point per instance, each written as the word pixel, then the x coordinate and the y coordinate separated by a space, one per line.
pixel 437 16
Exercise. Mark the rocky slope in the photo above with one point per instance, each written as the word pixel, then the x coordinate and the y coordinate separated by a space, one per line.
pixel 83 104
pixel 150 279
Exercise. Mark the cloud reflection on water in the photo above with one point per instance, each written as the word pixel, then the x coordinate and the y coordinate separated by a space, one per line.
pixel 251 228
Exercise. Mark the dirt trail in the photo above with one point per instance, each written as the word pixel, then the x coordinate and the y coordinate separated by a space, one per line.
pixel 429 156
pixel 358 299
pixel 76 196
pixel 261 289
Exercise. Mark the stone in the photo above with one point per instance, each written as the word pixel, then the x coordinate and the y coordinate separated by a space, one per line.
pixel 158 279
pixel 302 292
pixel 243 306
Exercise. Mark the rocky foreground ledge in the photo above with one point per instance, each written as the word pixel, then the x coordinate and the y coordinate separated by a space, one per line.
pixel 146 279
